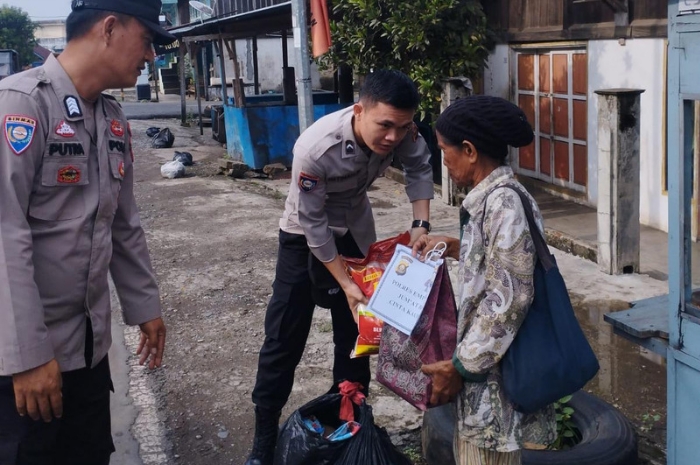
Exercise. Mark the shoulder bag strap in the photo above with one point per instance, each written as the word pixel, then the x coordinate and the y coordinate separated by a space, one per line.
pixel 543 253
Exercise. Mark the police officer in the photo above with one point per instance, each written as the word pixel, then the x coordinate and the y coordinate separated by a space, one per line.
pixel 68 219
pixel 328 214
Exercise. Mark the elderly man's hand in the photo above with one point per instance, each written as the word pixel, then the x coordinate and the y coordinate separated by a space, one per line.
pixel 447 382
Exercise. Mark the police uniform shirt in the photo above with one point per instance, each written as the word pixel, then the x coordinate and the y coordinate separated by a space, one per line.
pixel 330 178
pixel 68 219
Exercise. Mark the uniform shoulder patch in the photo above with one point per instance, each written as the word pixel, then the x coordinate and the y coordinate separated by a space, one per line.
pixel 19 132
pixel 307 182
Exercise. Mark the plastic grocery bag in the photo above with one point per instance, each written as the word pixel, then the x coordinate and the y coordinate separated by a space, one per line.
pixel 366 273
pixel 163 140
pixel 298 444
pixel 434 339
pixel 184 157
pixel 371 445
pixel 172 170
pixel 151 132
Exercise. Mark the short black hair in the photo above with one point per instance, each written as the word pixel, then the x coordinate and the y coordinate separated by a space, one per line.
pixel 391 87
pixel 80 22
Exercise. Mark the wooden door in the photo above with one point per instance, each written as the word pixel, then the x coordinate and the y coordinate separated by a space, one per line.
pixel 551 88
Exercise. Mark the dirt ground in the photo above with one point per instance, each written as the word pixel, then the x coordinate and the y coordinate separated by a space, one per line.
pixel 213 243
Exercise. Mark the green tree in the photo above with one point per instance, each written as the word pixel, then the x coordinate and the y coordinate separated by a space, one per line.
pixel 429 40
pixel 17 33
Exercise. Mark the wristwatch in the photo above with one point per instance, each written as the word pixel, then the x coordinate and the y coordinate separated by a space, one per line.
pixel 421 224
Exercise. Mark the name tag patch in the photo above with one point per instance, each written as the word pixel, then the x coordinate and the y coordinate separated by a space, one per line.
pixel 66 148
pixel 19 132
pixel 65 130
pixel 307 182
pixel 68 175
pixel 117 145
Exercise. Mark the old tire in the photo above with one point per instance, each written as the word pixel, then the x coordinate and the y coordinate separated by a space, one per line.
pixel 607 437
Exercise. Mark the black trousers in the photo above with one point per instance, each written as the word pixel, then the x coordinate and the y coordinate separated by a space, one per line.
pixel 288 322
pixel 81 437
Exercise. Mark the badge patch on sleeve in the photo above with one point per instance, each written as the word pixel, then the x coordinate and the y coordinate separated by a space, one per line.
pixel 19 132
pixel 307 183
pixel 68 175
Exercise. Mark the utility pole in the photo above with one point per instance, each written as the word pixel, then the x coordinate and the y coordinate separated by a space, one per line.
pixel 301 46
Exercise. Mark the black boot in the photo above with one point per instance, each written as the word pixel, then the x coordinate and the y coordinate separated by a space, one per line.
pixel 266 429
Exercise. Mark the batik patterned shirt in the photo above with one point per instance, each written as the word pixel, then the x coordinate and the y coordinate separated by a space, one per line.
pixel 495 290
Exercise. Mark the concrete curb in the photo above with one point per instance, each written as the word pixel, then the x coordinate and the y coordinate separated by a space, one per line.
pixel 570 245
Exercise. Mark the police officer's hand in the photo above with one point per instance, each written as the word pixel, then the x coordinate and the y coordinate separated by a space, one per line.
pixel 38 392
pixel 355 297
pixel 416 233
pixel 152 343
pixel 447 382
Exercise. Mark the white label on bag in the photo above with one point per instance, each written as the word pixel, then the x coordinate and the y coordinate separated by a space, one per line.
pixel 403 290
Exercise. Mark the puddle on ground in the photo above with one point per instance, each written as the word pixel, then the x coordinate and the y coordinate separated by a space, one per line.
pixel 631 378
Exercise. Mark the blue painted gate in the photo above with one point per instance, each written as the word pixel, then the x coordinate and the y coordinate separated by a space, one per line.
pixel 684 316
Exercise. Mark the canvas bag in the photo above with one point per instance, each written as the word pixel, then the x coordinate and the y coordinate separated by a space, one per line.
pixel 434 339
pixel 550 356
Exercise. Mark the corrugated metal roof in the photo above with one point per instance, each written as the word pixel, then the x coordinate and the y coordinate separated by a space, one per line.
pixel 270 19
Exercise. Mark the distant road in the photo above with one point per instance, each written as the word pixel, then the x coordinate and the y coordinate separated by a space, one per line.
pixel 160 110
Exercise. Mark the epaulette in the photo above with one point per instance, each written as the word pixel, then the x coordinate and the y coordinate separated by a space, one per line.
pixel 25 82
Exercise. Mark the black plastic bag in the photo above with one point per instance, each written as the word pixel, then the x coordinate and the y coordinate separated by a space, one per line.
pixel 150 132
pixel 184 157
pixel 297 445
pixel 371 445
pixel 163 140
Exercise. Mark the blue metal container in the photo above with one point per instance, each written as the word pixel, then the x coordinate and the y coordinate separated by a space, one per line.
pixel 264 132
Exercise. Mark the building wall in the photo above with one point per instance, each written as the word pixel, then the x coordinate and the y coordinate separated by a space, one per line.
pixel 639 64
pixel 497 73
pixel 51 34
pixel 269 64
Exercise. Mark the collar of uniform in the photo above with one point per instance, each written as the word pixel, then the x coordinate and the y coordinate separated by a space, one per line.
pixel 349 135
pixel 62 85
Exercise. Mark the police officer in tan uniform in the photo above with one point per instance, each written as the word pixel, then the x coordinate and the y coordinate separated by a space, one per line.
pixel 328 214
pixel 68 219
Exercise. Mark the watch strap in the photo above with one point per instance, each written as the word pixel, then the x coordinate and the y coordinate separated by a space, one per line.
pixel 421 224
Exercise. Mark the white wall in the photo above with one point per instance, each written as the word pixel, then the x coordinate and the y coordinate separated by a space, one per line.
pixel 497 73
pixel 639 64
pixel 269 64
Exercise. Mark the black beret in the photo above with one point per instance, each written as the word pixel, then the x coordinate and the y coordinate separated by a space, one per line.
pixel 490 123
